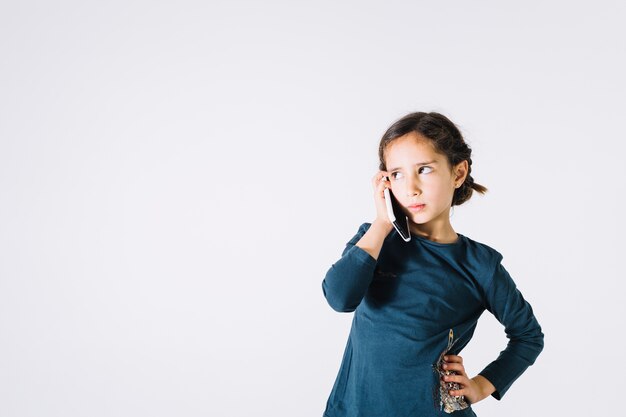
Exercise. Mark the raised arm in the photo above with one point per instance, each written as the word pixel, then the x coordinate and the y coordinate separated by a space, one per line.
pixel 347 279
pixel 507 304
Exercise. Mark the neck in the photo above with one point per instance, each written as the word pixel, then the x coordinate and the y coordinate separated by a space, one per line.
pixel 437 232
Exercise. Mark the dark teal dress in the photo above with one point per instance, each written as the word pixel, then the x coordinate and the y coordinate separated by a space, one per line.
pixel 404 305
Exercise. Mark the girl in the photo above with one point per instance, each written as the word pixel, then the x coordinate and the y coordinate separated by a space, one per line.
pixel 410 297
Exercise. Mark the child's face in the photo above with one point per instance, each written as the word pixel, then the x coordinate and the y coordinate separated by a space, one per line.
pixel 431 184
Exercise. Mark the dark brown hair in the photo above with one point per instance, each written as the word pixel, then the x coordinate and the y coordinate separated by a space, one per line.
pixel 446 139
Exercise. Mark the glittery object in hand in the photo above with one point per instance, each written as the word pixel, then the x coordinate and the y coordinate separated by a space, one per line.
pixel 447 402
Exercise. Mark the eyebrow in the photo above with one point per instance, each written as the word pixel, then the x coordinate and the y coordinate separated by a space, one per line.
pixel 419 163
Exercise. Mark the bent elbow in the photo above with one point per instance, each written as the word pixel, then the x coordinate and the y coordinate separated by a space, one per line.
pixel 530 347
pixel 337 303
pixel 540 343
pixel 342 308
pixel 537 339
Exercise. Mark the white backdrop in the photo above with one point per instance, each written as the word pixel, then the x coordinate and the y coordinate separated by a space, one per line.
pixel 177 177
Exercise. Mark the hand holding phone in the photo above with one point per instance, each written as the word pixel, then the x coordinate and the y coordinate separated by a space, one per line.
pixel 396 216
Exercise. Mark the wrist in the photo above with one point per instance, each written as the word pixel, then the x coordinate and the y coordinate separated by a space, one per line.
pixel 383 225
pixel 485 387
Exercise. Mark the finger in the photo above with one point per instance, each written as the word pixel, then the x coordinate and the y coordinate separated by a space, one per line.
pixel 451 366
pixel 453 358
pixel 382 184
pixel 379 179
pixel 458 392
pixel 460 379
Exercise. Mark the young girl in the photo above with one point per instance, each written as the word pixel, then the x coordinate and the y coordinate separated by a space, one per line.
pixel 409 298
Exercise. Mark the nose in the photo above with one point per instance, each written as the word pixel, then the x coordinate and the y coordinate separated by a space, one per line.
pixel 412 187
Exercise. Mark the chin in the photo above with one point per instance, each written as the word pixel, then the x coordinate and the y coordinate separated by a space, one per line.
pixel 417 219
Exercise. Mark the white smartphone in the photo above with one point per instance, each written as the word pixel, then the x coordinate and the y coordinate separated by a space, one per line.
pixel 396 216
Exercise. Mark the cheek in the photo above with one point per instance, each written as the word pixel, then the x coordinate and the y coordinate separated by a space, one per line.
pixel 438 187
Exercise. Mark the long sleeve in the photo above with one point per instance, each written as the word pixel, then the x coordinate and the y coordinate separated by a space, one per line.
pixel 507 304
pixel 347 280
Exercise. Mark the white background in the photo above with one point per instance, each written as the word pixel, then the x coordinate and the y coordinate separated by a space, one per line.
pixel 177 177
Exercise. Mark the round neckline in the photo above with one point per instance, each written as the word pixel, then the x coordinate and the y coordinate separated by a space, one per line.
pixel 432 242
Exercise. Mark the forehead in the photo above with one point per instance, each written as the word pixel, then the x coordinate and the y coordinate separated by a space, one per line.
pixel 411 149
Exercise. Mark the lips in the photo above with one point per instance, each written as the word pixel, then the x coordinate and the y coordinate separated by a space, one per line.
pixel 416 207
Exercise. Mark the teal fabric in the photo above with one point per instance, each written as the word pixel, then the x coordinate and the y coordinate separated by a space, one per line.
pixel 404 304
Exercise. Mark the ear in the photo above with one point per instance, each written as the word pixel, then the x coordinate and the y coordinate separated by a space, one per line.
pixel 460 171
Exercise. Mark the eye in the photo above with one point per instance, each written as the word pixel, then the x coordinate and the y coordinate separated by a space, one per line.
pixel 395 177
